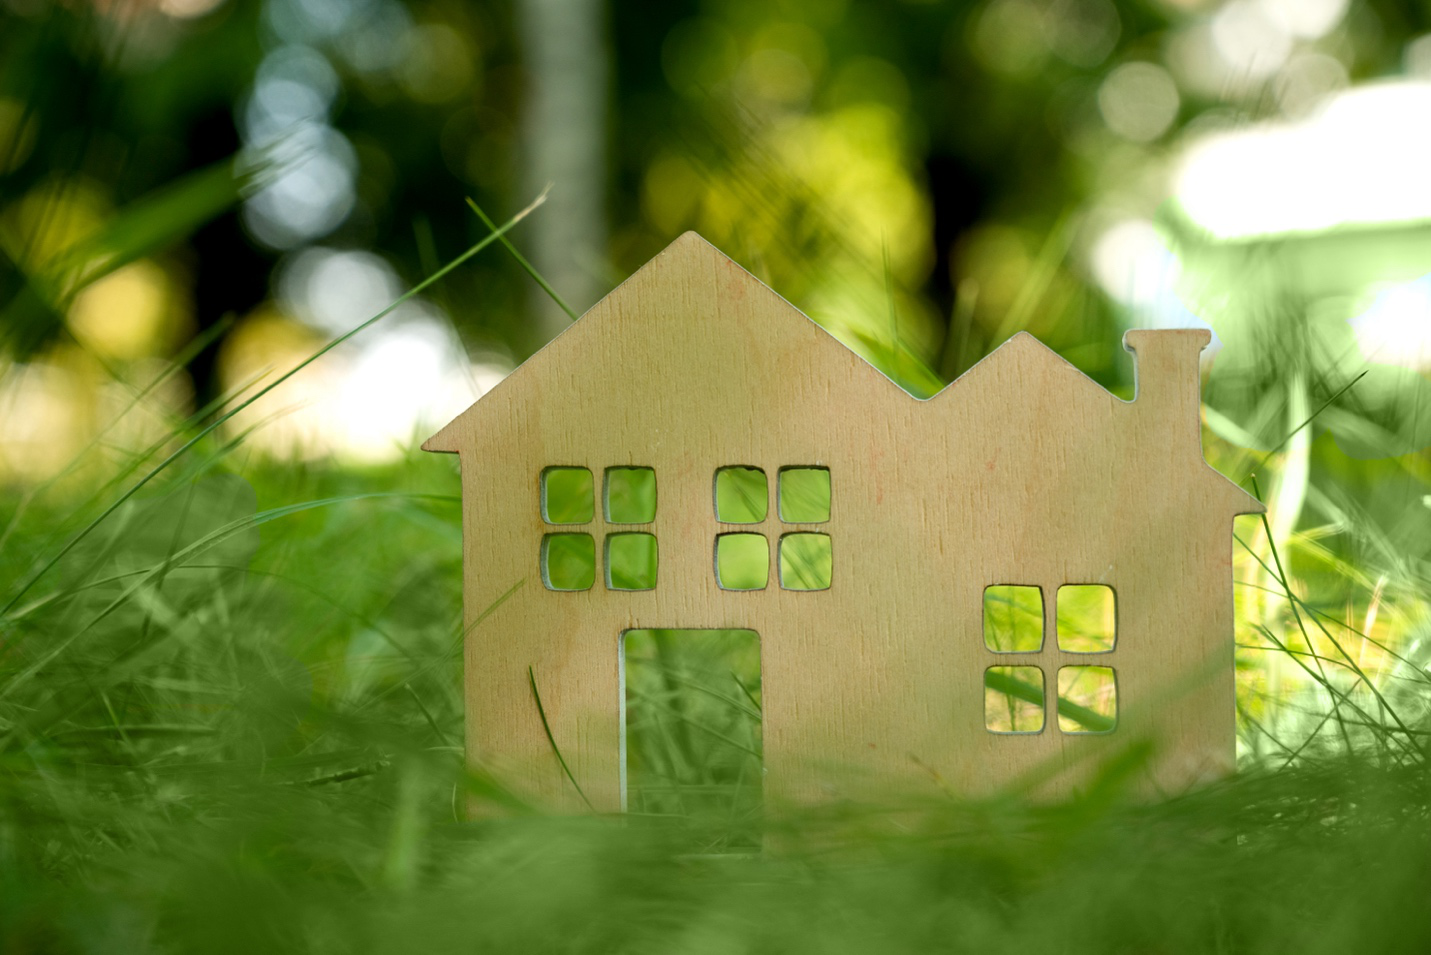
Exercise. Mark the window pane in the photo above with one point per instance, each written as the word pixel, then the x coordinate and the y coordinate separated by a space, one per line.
pixel 630 495
pixel 1087 621
pixel 1013 699
pixel 805 495
pixel 742 495
pixel 805 561
pixel 1087 699
pixel 1013 619
pixel 742 561
pixel 567 496
pixel 568 561
pixel 630 561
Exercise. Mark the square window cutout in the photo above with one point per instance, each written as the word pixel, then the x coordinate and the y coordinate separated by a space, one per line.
pixel 742 495
pixel 742 561
pixel 1013 619
pixel 805 561
pixel 1013 700
pixel 1087 699
pixel 630 495
pixel 1087 618
pixel 804 495
pixel 567 496
pixel 568 561
pixel 630 561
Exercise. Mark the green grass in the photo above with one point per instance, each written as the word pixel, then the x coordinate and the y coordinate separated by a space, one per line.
pixel 693 731
pixel 231 720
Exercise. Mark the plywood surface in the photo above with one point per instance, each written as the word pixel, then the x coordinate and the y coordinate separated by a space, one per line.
pixel 1023 471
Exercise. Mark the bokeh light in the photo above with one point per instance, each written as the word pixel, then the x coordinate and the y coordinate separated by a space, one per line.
pixel 1361 159
pixel 1139 101
pixel 1250 39
pixel 131 313
pixel 1306 19
pixel 1396 328
pixel 373 397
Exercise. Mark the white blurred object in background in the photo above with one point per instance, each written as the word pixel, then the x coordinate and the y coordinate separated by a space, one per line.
pixel 1396 328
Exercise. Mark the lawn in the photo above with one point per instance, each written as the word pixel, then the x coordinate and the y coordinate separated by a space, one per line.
pixel 231 720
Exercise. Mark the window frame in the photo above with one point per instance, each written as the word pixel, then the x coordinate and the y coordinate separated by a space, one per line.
pixel 598 527
pixel 1051 659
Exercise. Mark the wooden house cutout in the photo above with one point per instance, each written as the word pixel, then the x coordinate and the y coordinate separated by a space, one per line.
pixel 1021 472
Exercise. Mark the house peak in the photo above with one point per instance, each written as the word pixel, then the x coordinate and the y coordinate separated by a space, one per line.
pixel 1020 348
pixel 691 312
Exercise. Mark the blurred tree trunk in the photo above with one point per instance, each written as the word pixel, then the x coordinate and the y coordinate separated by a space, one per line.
pixel 565 47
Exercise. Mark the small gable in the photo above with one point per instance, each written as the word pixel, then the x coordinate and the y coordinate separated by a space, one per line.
pixel 1023 363
pixel 1024 390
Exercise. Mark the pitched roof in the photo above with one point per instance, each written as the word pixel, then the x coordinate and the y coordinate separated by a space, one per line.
pixel 1027 352
pixel 728 313
pixel 724 310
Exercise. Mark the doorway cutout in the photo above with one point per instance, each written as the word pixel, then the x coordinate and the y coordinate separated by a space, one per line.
pixel 691 730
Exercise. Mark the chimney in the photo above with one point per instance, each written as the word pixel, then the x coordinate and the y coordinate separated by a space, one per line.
pixel 1168 391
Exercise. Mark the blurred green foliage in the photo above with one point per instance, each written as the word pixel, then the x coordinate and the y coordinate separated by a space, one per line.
pixel 230 669
pixel 630 495
pixel 631 561
pixel 1013 618
pixel 692 725
pixel 806 561
pixel 742 561
pixel 567 495
pixel 742 495
pixel 1086 618
pixel 804 495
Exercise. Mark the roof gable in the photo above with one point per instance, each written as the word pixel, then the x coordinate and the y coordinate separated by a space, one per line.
pixel 1024 383
pixel 1020 358
pixel 690 313
pixel 693 321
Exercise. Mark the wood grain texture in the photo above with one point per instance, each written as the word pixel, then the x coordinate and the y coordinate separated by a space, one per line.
pixel 1023 471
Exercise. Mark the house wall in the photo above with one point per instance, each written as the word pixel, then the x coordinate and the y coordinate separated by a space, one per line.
pixel 1021 472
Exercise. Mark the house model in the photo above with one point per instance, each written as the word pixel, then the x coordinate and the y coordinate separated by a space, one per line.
pixel 1021 477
